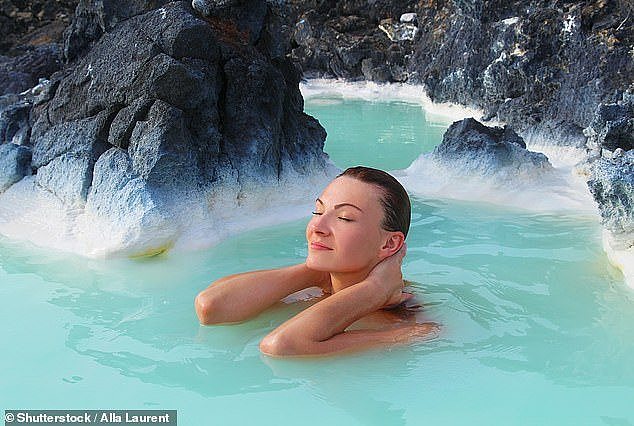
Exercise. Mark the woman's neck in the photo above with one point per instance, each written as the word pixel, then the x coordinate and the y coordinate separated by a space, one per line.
pixel 341 280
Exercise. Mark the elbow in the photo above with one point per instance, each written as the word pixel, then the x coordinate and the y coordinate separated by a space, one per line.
pixel 278 344
pixel 205 309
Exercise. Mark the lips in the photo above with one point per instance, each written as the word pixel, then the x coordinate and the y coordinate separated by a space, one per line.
pixel 318 246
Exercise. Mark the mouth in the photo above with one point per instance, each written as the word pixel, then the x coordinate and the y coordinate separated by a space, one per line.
pixel 318 246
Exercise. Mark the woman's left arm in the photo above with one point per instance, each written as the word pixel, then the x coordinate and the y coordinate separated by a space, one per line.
pixel 320 329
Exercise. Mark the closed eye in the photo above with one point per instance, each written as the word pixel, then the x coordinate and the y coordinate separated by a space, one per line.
pixel 345 219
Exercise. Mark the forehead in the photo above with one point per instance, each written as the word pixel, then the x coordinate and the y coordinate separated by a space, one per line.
pixel 345 189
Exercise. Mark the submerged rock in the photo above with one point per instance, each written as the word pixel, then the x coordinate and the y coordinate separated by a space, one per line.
pixel 470 148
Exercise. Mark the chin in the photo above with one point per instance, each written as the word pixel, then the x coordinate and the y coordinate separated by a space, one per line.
pixel 316 265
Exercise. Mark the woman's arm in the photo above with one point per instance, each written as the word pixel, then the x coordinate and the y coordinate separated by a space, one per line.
pixel 241 296
pixel 320 329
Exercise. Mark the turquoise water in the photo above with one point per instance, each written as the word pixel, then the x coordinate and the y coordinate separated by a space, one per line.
pixel 373 134
pixel 537 326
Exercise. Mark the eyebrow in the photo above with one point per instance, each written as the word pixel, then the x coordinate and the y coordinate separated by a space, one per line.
pixel 340 205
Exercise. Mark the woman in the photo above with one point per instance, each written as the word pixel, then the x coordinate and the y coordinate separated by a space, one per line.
pixel 356 244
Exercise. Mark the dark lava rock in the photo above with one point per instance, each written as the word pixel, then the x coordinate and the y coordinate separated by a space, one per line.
pixel 15 163
pixel 27 24
pixel 68 177
pixel 612 185
pixel 93 18
pixel 248 16
pixel 30 41
pixel 14 120
pixel 539 66
pixel 469 147
pixel 613 126
pixel 344 39
pixel 164 104
pixel 183 96
pixel 21 73
pixel 542 68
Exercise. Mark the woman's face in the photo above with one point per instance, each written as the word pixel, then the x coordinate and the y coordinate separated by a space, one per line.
pixel 345 234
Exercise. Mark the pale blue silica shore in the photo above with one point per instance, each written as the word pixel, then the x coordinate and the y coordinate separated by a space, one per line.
pixel 537 327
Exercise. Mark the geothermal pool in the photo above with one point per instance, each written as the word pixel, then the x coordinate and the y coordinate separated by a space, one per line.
pixel 538 327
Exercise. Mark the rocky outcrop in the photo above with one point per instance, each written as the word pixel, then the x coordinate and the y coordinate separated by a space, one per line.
pixel 612 127
pixel 31 41
pixel 469 148
pixel 351 40
pixel 24 25
pixel 15 163
pixel 21 73
pixel 160 111
pixel 14 119
pixel 94 18
pixel 539 66
pixel 611 180
pixel 612 185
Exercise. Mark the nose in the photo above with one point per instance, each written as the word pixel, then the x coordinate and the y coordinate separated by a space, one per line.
pixel 319 224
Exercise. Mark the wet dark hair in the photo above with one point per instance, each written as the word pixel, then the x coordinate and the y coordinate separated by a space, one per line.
pixel 397 208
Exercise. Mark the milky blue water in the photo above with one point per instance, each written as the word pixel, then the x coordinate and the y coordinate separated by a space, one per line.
pixel 538 328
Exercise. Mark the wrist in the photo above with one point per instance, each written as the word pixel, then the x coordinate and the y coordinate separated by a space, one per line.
pixel 380 291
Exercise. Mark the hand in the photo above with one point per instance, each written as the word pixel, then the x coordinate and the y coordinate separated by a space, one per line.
pixel 387 276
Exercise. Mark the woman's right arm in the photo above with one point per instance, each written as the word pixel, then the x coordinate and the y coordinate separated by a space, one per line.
pixel 239 297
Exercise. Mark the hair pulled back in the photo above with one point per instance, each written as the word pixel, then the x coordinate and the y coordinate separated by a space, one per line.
pixel 394 199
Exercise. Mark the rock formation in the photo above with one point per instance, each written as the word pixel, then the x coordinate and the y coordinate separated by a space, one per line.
pixel 470 148
pixel 539 66
pixel 611 171
pixel 31 41
pixel 162 109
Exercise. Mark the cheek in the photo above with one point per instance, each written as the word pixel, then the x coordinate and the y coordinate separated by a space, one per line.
pixel 309 226
pixel 358 242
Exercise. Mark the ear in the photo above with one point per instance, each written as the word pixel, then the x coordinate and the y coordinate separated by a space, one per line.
pixel 392 244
